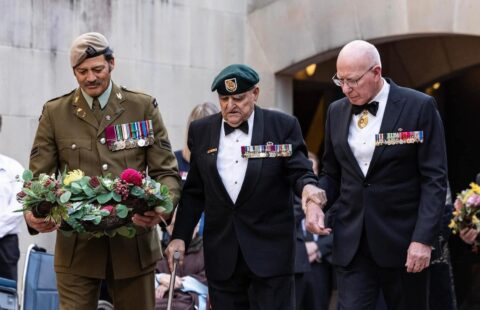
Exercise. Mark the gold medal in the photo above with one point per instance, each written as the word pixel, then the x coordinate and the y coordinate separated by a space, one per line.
pixel 363 120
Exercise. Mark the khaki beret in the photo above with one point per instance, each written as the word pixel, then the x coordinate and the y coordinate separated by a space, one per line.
pixel 88 45
pixel 235 79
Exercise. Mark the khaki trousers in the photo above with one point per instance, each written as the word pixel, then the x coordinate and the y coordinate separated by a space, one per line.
pixel 82 293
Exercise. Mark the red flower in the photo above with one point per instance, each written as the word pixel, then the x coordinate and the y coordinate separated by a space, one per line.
pixel 21 195
pixel 94 182
pixel 110 209
pixel 131 176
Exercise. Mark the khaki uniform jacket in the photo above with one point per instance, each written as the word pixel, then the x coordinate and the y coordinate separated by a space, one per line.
pixel 69 137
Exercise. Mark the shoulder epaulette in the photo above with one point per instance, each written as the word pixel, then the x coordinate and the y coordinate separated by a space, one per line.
pixel 133 91
pixel 65 95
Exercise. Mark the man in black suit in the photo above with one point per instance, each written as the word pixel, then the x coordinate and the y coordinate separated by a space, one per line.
pixel 245 161
pixel 385 151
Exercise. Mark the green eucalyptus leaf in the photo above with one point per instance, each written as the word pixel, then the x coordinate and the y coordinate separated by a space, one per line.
pixel 104 213
pixel 116 197
pixel 65 197
pixel 88 191
pixel 122 211
pixel 51 197
pixel 137 192
pixel 104 198
pixel 126 231
pixel 27 175
pixel 97 219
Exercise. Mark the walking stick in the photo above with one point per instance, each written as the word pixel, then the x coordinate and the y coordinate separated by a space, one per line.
pixel 176 257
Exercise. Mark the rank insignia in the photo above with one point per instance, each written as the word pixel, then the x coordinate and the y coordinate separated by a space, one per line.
pixel 231 85
pixel 401 137
pixel 267 150
pixel 129 135
pixel 119 96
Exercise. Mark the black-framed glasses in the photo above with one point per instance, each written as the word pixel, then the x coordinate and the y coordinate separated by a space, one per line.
pixel 349 82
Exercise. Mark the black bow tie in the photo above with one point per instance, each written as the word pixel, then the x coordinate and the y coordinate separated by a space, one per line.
pixel 229 129
pixel 372 107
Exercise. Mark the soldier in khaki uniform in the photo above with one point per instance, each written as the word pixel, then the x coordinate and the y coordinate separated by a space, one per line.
pixel 71 135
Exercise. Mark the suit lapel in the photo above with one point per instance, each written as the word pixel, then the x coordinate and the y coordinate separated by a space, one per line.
pixel 212 159
pixel 82 110
pixel 254 166
pixel 113 109
pixel 391 115
pixel 345 120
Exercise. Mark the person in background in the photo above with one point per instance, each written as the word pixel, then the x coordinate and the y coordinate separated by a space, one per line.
pixel 183 156
pixel 190 289
pixel 313 271
pixel 10 172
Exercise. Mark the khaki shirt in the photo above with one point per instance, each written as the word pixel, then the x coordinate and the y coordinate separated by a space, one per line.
pixel 70 137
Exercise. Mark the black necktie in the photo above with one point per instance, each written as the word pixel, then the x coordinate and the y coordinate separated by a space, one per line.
pixel 229 129
pixel 372 107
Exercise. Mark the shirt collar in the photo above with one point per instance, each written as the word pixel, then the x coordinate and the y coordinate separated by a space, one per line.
pixel 103 98
pixel 382 95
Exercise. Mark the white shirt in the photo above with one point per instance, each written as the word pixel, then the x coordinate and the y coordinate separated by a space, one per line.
pixel 362 141
pixel 9 187
pixel 230 164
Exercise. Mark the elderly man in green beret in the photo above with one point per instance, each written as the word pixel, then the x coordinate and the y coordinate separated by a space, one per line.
pixel 72 134
pixel 245 161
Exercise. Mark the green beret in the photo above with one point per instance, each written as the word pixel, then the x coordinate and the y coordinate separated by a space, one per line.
pixel 235 79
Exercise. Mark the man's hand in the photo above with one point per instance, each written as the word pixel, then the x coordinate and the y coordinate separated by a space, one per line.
pixel 312 249
pixel 469 235
pixel 149 218
pixel 315 219
pixel 418 257
pixel 312 193
pixel 165 280
pixel 175 245
pixel 40 224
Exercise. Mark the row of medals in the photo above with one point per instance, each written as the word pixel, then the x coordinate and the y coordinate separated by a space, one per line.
pixel 131 143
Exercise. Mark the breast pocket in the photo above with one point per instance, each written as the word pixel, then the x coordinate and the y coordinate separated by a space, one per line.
pixel 71 151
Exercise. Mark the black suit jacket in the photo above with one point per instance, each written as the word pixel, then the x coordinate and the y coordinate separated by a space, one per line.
pixel 401 199
pixel 261 222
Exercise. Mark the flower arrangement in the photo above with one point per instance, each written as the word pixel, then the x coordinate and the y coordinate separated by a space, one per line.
pixel 41 196
pixel 102 205
pixel 467 210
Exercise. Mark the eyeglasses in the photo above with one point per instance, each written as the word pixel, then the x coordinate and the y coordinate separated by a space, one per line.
pixel 349 82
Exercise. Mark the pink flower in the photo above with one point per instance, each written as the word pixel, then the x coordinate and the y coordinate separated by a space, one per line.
pixel 111 209
pixel 132 176
pixel 458 205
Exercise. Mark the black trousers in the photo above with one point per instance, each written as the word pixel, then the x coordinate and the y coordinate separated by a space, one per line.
pixel 313 288
pixel 360 282
pixel 9 255
pixel 244 290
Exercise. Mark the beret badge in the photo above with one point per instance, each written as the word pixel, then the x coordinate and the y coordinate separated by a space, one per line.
pixel 90 51
pixel 231 85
